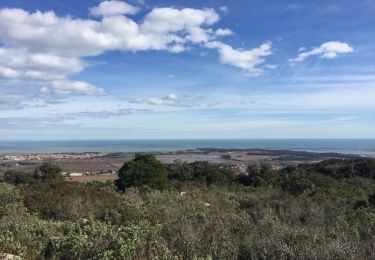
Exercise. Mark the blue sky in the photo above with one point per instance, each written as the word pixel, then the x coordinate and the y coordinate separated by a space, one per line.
pixel 186 69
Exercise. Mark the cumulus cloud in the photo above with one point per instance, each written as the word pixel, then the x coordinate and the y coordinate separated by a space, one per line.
pixel 159 19
pixel 108 8
pixel 64 88
pixel 244 59
pixel 180 26
pixel 20 63
pixel 161 29
pixel 47 70
pixel 48 49
pixel 166 28
pixel 223 32
pixel 327 50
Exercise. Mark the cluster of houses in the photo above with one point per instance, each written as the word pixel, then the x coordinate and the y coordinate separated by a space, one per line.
pixel 48 156
pixel 98 172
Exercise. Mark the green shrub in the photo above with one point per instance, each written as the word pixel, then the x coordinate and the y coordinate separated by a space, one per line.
pixel 68 201
pixel 295 182
pixel 18 177
pixel 144 170
pixel 179 170
pixel 289 214
pixel 200 171
pixel 9 194
pixel 96 240
pixel 48 171
pixel 349 168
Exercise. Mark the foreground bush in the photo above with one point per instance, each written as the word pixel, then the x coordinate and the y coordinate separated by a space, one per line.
pixel 68 200
pixel 287 214
pixel 96 240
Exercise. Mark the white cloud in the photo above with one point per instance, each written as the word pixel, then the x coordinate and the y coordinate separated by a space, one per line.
pixel 224 9
pixel 161 29
pixel 46 32
pixel 271 66
pixel 20 63
pixel 248 60
pixel 167 29
pixel 109 8
pixel 180 26
pixel 46 70
pixel 223 32
pixel 42 46
pixel 174 20
pixel 328 50
pixel 171 100
pixel 8 73
pixel 64 88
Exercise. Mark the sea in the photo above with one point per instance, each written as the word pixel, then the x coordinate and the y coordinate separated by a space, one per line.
pixel 363 147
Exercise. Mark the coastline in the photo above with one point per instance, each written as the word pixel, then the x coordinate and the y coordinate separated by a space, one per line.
pixel 364 147
pixel 106 164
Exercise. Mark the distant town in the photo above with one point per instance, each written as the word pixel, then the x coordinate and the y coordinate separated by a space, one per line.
pixel 47 156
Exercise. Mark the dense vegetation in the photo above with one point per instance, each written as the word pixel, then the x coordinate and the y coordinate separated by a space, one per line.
pixel 282 155
pixel 193 211
pixel 144 170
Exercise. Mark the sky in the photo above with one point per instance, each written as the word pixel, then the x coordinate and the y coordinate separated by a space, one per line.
pixel 142 69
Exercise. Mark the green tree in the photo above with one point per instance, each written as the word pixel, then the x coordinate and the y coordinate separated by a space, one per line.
pixel 48 171
pixel 260 175
pixel 295 181
pixel 144 170
pixel 211 173
pixel 179 170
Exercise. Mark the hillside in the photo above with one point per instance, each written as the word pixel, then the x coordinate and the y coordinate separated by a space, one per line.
pixel 192 211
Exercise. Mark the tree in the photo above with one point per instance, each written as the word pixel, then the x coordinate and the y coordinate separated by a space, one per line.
pixel 295 181
pixel 144 170
pixel 48 171
pixel 260 175
pixel 181 171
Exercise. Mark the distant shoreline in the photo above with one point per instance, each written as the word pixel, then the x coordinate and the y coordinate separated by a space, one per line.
pixel 17 156
pixel 94 163
pixel 361 147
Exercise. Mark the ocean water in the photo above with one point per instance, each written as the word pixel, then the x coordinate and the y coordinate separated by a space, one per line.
pixel 364 147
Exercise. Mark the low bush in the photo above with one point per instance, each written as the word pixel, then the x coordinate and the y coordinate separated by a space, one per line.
pixel 68 200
